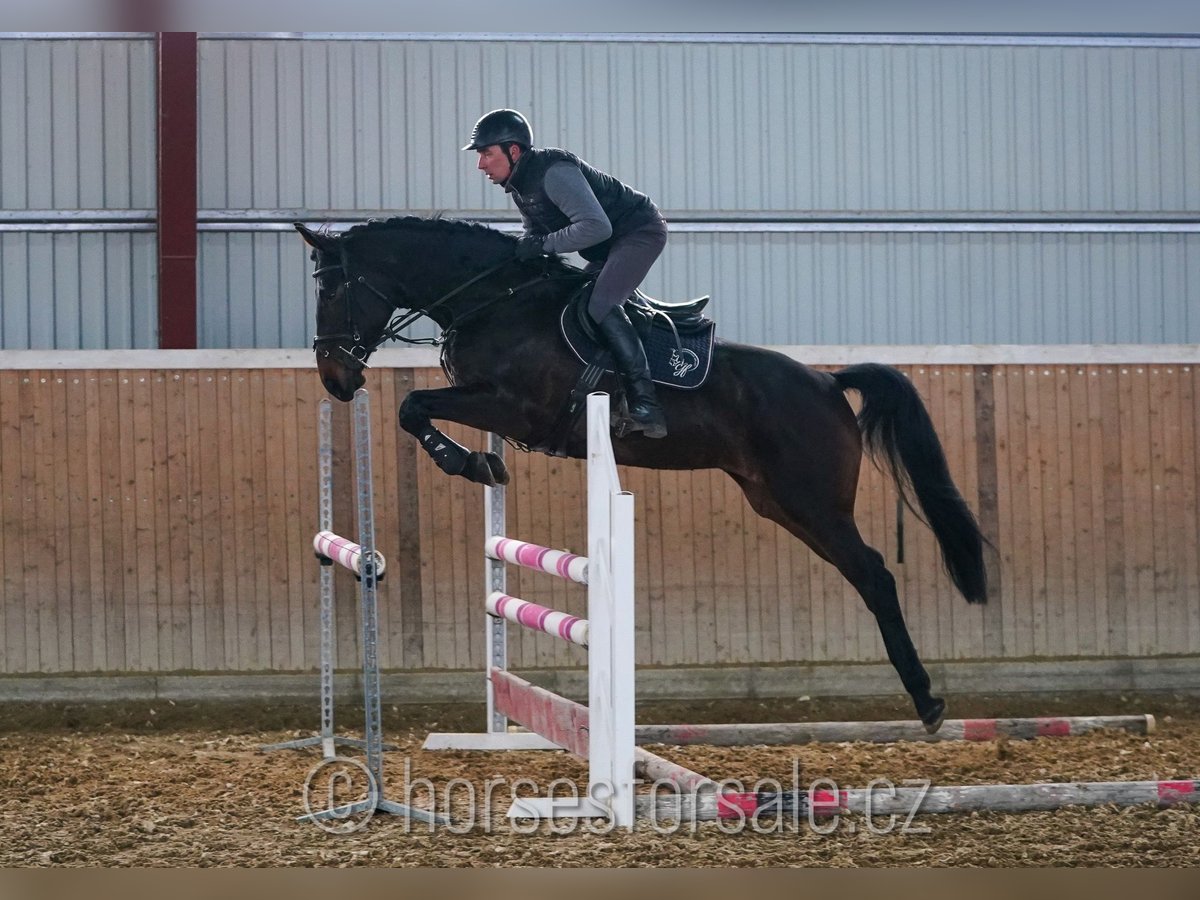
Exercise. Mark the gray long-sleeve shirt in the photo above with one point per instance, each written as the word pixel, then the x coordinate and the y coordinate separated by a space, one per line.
pixel 569 191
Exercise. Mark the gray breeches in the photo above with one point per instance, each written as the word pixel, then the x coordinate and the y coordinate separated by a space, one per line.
pixel 629 259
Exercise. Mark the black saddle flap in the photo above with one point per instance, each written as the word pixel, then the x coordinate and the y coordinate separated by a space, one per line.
pixel 684 365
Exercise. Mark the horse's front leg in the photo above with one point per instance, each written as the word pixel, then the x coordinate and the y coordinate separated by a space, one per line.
pixel 467 406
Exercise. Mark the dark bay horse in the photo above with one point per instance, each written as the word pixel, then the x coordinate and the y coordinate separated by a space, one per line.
pixel 783 431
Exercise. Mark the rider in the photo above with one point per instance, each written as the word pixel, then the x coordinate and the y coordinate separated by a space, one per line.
pixel 567 205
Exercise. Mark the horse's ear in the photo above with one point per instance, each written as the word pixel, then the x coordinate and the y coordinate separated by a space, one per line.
pixel 322 242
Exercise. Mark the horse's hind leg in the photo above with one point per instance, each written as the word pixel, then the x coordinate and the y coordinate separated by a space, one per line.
pixel 833 535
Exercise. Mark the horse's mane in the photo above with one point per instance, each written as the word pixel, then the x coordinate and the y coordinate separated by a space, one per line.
pixel 487 236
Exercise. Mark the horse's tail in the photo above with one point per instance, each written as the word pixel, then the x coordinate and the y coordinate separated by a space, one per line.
pixel 897 428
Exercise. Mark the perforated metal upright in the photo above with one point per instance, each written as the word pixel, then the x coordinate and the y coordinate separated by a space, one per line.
pixel 369 614
pixel 327 740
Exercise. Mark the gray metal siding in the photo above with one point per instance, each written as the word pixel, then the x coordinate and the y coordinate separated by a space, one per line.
pixel 77 124
pixel 805 288
pixel 77 144
pixel 776 132
pixel 793 130
pixel 78 291
pixel 940 288
pixel 720 132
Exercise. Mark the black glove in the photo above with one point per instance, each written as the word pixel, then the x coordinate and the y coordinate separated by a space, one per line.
pixel 530 247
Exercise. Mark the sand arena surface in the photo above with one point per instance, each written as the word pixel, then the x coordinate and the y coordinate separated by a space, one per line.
pixel 174 784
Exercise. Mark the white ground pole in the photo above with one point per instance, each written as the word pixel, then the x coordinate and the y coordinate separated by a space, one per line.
pixel 369 615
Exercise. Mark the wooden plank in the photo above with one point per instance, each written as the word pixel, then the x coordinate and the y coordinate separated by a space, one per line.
pixel 241 586
pixel 264 533
pixel 1118 463
pixel 761 536
pixel 75 557
pixel 654 560
pixel 1036 438
pixel 1141 613
pixel 142 483
pixel 1189 413
pixel 1099 413
pixel 194 538
pixel 1067 535
pixel 704 585
pixel 1019 461
pixel 727 606
pixel 181 514
pixel 409 536
pixel 130 605
pixel 112 515
pixel 214 437
pixel 426 474
pixel 55 459
pixel 1003 601
pixel 1169 539
pixel 991 638
pixel 1051 494
pixel 12 518
pixel 1086 483
pixel 466 549
pixel 38 522
pixel 162 499
pixel 273 566
pixel 677 564
pixel 89 397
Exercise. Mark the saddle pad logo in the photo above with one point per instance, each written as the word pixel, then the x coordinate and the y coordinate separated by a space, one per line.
pixel 682 362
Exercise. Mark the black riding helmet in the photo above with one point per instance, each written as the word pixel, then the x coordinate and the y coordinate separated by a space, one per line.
pixel 501 126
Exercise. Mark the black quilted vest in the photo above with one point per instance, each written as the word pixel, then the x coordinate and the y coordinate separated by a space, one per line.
pixel 627 209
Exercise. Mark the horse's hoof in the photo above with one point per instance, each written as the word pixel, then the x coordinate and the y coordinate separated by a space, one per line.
pixel 479 470
pixel 498 469
pixel 934 715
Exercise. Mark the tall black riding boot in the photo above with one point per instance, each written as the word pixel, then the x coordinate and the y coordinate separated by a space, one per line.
pixel 629 358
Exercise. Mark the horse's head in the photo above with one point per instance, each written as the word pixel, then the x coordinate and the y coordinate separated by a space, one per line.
pixel 353 310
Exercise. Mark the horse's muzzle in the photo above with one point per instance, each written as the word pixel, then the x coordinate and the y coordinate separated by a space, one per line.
pixel 340 381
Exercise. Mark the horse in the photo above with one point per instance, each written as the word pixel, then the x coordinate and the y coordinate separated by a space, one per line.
pixel 784 432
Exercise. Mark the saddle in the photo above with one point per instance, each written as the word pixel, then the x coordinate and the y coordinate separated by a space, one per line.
pixel 677 338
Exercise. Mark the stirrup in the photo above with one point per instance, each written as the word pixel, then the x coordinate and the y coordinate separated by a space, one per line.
pixel 622 423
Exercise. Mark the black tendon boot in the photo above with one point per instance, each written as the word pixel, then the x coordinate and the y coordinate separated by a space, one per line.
pixel 630 361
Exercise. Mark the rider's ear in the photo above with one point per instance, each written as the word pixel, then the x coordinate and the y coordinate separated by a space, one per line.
pixel 322 242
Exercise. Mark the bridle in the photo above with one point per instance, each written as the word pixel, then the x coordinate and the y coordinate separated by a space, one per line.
pixel 357 352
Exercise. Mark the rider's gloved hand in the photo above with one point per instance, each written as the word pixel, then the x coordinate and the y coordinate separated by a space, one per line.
pixel 529 247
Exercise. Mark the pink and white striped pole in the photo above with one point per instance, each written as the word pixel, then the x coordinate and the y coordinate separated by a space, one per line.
pixel 539 618
pixel 345 553
pixel 541 559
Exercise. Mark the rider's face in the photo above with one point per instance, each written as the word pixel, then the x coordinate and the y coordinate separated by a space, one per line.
pixel 494 164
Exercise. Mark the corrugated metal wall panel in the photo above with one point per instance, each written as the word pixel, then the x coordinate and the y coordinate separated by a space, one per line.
pixel 774 131
pixel 77 124
pixel 790 129
pixel 77 134
pixel 990 288
pixel 802 288
pixel 78 291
